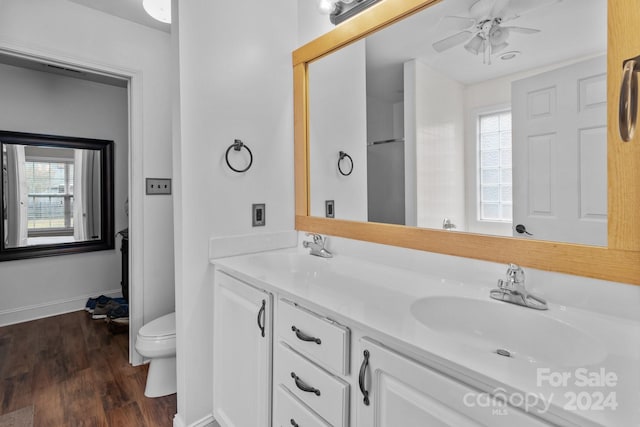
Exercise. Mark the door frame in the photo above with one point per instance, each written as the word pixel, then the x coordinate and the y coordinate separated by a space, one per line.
pixel 133 78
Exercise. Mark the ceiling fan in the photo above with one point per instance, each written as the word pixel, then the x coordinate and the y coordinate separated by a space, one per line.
pixel 483 30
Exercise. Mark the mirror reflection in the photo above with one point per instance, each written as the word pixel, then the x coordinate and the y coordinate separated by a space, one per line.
pixel 57 195
pixel 483 116
pixel 51 195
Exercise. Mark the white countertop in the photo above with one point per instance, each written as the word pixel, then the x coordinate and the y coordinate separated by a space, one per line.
pixel 378 299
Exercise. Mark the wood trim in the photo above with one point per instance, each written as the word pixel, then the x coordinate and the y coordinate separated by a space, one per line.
pixel 589 261
pixel 619 262
pixel 301 136
pixel 623 157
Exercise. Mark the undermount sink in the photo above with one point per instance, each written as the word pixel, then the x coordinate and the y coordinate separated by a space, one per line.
pixel 509 330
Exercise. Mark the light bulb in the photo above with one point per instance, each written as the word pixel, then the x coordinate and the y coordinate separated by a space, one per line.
pixel 158 9
pixel 326 7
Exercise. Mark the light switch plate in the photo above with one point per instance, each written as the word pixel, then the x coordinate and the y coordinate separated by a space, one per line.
pixel 258 213
pixel 329 208
pixel 158 186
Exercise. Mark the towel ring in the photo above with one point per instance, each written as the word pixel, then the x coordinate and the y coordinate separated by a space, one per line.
pixel 342 156
pixel 237 146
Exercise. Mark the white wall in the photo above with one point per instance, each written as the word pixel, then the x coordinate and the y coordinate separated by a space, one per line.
pixel 45 103
pixel 437 114
pixel 235 81
pixel 76 34
pixel 338 122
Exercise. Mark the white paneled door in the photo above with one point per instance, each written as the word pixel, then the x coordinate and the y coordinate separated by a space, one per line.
pixel 560 154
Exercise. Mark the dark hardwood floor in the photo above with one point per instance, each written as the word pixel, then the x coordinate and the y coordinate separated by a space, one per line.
pixel 76 373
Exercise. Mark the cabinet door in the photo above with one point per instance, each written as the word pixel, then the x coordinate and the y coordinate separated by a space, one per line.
pixel 242 336
pixel 405 393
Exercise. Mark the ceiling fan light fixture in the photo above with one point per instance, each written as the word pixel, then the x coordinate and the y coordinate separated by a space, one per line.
pixel 158 9
pixel 475 45
pixel 498 35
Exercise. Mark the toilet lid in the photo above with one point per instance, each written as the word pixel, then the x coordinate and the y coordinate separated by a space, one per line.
pixel 160 327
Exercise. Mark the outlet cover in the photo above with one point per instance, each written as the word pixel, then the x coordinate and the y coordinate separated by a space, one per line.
pixel 258 212
pixel 158 186
pixel 329 209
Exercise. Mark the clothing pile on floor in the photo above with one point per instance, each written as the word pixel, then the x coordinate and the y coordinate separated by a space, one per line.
pixel 115 311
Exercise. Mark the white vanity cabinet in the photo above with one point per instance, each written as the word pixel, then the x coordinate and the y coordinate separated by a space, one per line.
pixel 242 349
pixel 316 370
pixel 397 391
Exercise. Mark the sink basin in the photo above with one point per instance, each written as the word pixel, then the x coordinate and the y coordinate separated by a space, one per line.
pixel 509 330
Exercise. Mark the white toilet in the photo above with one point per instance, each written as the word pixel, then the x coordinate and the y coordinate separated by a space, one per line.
pixel 157 341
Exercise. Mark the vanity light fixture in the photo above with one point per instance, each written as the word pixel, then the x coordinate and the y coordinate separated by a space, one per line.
pixel 341 10
pixel 158 9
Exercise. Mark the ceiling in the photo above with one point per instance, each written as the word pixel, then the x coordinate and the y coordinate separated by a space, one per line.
pixel 569 29
pixel 130 10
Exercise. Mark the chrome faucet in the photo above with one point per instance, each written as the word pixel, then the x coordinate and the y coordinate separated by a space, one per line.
pixel 513 290
pixel 317 246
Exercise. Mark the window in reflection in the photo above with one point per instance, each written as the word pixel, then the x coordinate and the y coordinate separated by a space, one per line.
pixel 494 170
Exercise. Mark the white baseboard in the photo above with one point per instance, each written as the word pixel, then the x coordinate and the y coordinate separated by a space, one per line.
pixel 220 247
pixel 207 421
pixel 50 308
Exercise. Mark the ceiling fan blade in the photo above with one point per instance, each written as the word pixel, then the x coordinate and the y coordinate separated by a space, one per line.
pixel 522 30
pixel 481 9
pixel 451 41
pixel 518 8
pixel 450 24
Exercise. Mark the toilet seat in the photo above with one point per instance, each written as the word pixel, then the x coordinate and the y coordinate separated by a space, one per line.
pixel 162 327
pixel 158 337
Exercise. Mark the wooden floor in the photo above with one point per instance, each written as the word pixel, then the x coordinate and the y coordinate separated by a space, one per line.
pixel 76 373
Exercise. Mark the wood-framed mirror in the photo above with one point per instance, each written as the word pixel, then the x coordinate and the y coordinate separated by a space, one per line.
pixel 618 260
pixel 57 195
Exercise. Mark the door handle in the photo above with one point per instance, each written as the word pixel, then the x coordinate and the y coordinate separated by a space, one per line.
pixel 628 106
pixel 520 228
pixel 363 371
pixel 262 317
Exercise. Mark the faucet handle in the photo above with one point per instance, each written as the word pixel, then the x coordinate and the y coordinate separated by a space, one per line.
pixel 515 274
pixel 317 238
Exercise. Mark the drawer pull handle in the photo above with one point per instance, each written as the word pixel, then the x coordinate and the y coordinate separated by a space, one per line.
pixel 304 387
pixel 363 371
pixel 294 423
pixel 261 317
pixel 303 337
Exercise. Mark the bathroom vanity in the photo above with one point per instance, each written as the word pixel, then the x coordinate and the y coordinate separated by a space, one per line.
pixel 305 341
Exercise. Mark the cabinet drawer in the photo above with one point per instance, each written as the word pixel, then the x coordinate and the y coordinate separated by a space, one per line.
pixel 326 394
pixel 290 412
pixel 318 338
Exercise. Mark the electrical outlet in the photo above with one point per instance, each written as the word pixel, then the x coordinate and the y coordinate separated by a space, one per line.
pixel 258 212
pixel 158 186
pixel 329 209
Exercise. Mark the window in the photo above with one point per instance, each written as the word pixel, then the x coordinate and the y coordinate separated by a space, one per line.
pixel 50 191
pixel 494 167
